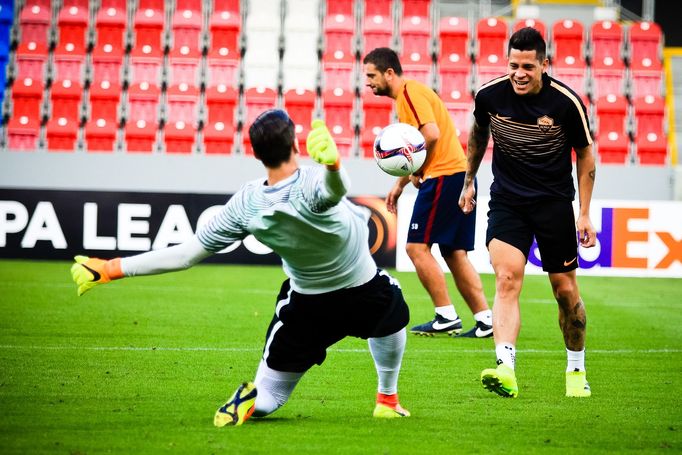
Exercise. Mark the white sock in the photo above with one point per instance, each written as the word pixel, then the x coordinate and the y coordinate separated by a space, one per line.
pixel 576 360
pixel 448 312
pixel 506 353
pixel 485 316
pixel 274 388
pixel 387 353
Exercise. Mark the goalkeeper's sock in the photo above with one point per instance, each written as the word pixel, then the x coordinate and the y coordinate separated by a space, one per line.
pixel 387 353
pixel 575 360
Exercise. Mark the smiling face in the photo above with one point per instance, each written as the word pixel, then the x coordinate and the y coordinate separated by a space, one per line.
pixel 525 71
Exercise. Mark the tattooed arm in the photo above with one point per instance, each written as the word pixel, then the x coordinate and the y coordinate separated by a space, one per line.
pixel 478 142
pixel 586 170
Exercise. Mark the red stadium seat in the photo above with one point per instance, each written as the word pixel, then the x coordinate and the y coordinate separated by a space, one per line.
pixel 73 23
pixel 489 67
pixel 221 101
pixel 646 77
pixel 418 65
pixel 61 134
pixel 107 63
pixel 537 24
pixel 300 104
pixel 184 64
pixel 182 102
pixel 379 8
pixel 23 133
pixel 419 8
pixel 491 39
pixel 377 31
pixel 179 137
pixel 608 77
pixel 339 33
pixel 571 71
pixel 140 136
pixel 100 135
pixel 415 34
pixel 342 7
pixel 612 112
pixel 377 111
pixel 649 115
pixel 218 137
pixel 69 61
pixel 645 40
pixel 65 98
pixel 31 60
pixel 460 107
pixel 146 64
pixel 652 148
pixel 338 70
pixel 568 40
pixel 454 38
pixel 148 26
pixel 454 74
pixel 613 147
pixel 143 100
pixel 104 98
pixel 187 25
pixel 338 114
pixel 222 66
pixel 27 95
pixel 225 26
pixel 34 22
pixel 110 25
pixel 607 40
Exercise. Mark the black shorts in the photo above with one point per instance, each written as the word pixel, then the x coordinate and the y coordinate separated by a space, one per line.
pixel 305 325
pixel 437 217
pixel 551 222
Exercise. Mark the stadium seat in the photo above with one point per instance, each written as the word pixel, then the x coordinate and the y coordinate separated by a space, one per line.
pixel 491 39
pixel 342 7
pixel 61 134
pixel 262 57
pixel 34 23
pixel 608 77
pixel 453 33
pixel 415 36
pixel 300 63
pixel 649 115
pixel 23 133
pixel 72 25
pixel 571 71
pixel 110 25
pixel 420 8
pixel 226 5
pixel 644 40
pixel 27 96
pixel 568 40
pixel 69 61
pixel 146 65
pixel 606 38
pixel 143 102
pixel 221 101
pixel 454 74
pixel 613 147
pixel 148 25
pixel 377 113
pixel 652 148
pixel 100 135
pixel 646 77
pixel 218 137
pixel 65 100
pixel 31 61
pixel 612 113
pixel 339 34
pixel 460 107
pixel 104 98
pixel 225 28
pixel 182 118
pixel 186 27
pixel 377 31
pixel 537 24
pixel 337 105
pixel 379 8
pixel 338 71
pixel 223 65
pixel 489 67
pixel 184 66
pixel 179 137
pixel 300 104
pixel 140 136
pixel 107 64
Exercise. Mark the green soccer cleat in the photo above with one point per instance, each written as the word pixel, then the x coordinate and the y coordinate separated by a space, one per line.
pixel 383 411
pixel 577 385
pixel 238 408
pixel 500 380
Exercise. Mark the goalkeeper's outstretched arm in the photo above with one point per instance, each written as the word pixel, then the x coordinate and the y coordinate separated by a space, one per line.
pixel 89 272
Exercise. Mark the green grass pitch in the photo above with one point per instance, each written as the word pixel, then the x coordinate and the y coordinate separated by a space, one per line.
pixel 139 366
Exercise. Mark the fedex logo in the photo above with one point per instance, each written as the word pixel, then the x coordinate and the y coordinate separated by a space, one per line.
pixel 633 237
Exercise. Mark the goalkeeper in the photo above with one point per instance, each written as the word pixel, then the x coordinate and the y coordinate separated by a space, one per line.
pixel 333 289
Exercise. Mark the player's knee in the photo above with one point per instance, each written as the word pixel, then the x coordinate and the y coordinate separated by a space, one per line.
pixel 565 293
pixel 507 282
pixel 416 250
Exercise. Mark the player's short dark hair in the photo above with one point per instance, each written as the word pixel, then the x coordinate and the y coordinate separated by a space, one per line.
pixel 272 136
pixel 384 58
pixel 528 39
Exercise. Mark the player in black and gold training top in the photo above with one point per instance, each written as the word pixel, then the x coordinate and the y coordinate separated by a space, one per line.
pixel 536 122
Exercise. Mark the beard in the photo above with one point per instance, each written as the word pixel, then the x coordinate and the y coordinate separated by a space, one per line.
pixel 382 91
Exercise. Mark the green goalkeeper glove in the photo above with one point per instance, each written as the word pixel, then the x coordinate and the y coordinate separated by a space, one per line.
pixel 320 144
pixel 89 272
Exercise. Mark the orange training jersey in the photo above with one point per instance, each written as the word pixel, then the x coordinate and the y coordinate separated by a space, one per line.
pixel 417 105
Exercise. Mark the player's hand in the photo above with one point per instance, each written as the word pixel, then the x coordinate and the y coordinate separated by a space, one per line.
pixel 320 144
pixel 587 235
pixel 89 272
pixel 467 202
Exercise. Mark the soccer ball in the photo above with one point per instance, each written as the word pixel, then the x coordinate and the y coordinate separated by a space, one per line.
pixel 400 149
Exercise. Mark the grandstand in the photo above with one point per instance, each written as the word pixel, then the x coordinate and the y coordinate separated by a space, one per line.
pixel 161 77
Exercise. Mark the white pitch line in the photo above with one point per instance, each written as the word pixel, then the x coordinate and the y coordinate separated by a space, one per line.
pixel 253 349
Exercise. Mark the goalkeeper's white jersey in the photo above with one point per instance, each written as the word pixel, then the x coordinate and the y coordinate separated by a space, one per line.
pixel 320 235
